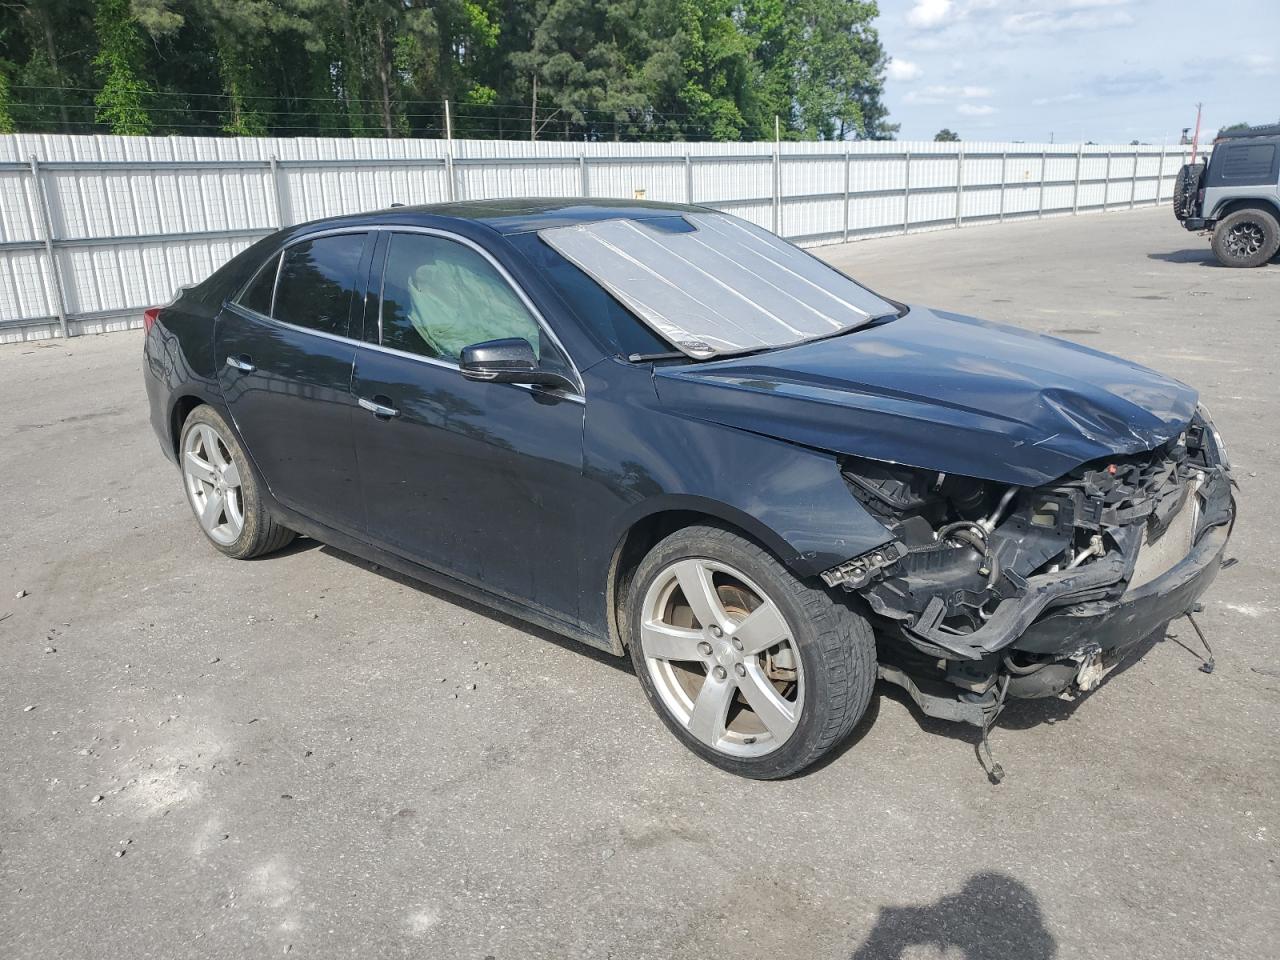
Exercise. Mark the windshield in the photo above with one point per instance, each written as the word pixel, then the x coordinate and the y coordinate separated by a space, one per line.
pixel 717 285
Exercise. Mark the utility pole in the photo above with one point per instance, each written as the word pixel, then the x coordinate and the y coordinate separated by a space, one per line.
pixel 533 114
pixel 1195 140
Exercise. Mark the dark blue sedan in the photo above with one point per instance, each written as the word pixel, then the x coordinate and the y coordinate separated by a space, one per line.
pixel 661 429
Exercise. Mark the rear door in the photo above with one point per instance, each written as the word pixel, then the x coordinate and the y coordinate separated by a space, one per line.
pixel 479 480
pixel 286 348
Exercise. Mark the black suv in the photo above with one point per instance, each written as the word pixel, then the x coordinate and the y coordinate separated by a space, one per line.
pixel 1236 196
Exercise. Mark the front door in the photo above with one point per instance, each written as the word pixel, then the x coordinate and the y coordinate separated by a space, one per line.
pixel 479 480
pixel 285 360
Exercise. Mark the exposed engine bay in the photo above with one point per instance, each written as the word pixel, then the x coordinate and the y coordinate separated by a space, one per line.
pixel 1035 592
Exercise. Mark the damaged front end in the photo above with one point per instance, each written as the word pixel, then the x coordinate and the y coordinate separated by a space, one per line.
pixel 1035 591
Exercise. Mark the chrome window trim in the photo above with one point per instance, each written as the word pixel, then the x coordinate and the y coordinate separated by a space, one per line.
pixel 244 288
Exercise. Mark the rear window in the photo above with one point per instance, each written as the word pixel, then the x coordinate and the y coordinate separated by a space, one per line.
pixel 317 281
pixel 1245 163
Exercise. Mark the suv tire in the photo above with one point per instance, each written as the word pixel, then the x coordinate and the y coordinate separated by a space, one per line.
pixel 1186 189
pixel 781 674
pixel 1246 238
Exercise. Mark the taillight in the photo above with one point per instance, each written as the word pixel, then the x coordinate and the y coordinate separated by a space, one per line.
pixel 149 318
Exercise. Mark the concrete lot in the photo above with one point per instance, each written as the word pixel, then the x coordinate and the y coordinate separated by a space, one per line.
pixel 304 755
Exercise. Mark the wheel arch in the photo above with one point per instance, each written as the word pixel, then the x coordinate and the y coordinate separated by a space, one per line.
pixel 660 520
pixel 182 407
pixel 1230 206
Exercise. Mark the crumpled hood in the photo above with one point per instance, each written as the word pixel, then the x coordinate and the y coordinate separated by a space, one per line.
pixel 942 392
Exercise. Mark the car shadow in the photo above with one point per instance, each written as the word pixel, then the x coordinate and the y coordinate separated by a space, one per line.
pixel 480 610
pixel 993 917
pixel 1200 255
pixel 1203 256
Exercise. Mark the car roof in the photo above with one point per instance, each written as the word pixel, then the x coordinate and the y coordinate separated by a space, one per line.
pixel 1269 132
pixel 520 215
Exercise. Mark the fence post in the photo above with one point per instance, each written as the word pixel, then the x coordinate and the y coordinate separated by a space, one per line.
pixel 1106 183
pixel 1075 195
pixel 274 167
pixel 1133 187
pixel 688 175
pixel 46 223
pixel 451 186
pixel 584 184
pixel 1160 177
pixel 1044 164
pixel 1004 175
pixel 848 162
pixel 777 178
pixel 959 187
pixel 906 196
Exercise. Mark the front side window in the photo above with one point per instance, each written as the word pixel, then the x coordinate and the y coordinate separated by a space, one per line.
pixel 439 296
pixel 317 281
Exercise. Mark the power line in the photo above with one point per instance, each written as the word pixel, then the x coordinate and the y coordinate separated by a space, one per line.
pixel 377 101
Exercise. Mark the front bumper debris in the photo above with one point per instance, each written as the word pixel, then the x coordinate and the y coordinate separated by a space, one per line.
pixel 1037 592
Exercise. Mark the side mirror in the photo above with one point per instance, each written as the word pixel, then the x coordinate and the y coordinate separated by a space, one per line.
pixel 510 360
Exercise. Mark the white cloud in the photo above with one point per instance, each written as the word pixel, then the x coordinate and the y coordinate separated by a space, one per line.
pixel 900 69
pixel 1260 64
pixel 1083 17
pixel 1061 98
pixel 975 109
pixel 929 14
pixel 940 93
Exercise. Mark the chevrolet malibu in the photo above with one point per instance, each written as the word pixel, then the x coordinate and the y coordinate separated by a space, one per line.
pixel 665 432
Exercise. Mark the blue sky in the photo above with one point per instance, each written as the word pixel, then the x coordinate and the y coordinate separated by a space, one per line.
pixel 1103 70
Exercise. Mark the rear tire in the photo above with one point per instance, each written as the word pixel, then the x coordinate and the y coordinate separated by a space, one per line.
pixel 223 491
pixel 1246 238
pixel 781 674
pixel 1186 189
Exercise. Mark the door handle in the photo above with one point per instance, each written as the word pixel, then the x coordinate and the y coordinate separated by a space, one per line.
pixel 378 409
pixel 241 363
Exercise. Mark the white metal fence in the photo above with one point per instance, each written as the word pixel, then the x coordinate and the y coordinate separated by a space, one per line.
pixel 94 229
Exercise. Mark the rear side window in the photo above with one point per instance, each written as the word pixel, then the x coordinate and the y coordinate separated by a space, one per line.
pixel 1248 163
pixel 257 296
pixel 318 278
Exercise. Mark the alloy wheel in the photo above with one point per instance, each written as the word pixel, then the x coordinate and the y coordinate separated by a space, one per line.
pixel 1245 239
pixel 212 481
pixel 722 658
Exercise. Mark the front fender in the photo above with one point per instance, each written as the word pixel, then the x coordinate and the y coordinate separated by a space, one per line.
pixel 791 499
pixel 640 458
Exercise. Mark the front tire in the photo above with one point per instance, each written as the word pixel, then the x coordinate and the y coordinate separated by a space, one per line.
pixel 223 491
pixel 752 669
pixel 1246 238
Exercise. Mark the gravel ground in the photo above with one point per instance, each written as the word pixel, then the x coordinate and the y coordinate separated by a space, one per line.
pixel 304 755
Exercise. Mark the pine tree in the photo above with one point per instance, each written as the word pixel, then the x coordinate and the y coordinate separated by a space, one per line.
pixel 120 55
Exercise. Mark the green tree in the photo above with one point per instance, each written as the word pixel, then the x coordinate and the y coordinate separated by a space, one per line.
pixel 946 136
pixel 717 68
pixel 6 109
pixel 836 62
pixel 582 69
pixel 121 101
